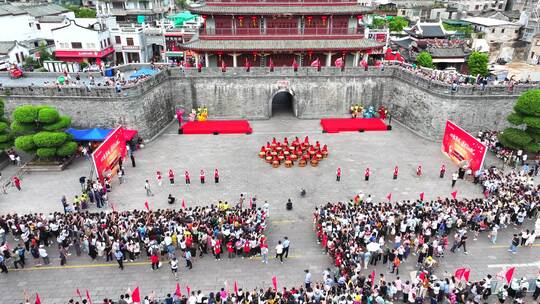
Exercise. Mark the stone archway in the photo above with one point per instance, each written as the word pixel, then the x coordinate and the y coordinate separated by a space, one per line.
pixel 283 103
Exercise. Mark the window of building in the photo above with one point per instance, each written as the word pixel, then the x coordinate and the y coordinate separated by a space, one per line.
pixel 117 39
pixel 476 7
pixel 502 31
pixel 38 26
pixel 532 55
pixel 108 41
pixel 129 41
pixel 493 30
pixel 30 24
pixel 101 44
pixel 76 45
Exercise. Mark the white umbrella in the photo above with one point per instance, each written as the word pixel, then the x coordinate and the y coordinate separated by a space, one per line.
pixel 373 247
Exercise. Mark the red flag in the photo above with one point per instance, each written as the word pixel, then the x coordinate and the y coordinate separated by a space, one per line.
pixel 274 278
pixel 178 292
pixel 315 63
pixel 146 206
pixel 454 194
pixel 294 64
pixel 372 279
pixel 509 274
pixel 188 290
pixel 389 197
pixel 251 203
pixel 421 196
pixel 271 63
pixel 235 288
pixel 223 66
pixel 38 300
pixel 183 204
pixel 339 62
pixel 459 273
pixel 247 65
pixel 422 276
pixel 78 292
pixel 88 297
pixel 466 274
pixel 136 295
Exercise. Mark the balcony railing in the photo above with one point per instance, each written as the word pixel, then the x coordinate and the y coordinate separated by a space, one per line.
pixel 282 1
pixel 310 31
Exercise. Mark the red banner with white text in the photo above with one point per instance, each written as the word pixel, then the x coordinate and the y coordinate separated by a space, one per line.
pixel 463 148
pixel 107 156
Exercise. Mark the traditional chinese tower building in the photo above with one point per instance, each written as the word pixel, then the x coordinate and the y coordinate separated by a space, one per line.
pixel 281 31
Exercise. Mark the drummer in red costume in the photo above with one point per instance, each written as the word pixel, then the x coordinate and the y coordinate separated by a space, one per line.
pixel 171 176
pixel 419 171
pixel 202 176
pixel 442 171
pixel 338 174
pixel 367 173
pixel 396 170
pixel 186 174
pixel 216 176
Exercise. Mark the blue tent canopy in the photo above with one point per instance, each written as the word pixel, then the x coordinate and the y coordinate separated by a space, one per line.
pixel 94 134
pixel 142 72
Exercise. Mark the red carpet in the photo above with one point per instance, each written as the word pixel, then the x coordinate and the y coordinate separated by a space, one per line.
pixel 336 125
pixel 216 127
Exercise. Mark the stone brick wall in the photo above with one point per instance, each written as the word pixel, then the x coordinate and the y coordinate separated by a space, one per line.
pixel 420 104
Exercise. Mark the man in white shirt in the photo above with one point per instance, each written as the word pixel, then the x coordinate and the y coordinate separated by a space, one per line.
pixel 279 251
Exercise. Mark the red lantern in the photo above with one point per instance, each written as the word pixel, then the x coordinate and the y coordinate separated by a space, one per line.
pixel 309 19
pixel 254 20
pixel 241 20
pixel 359 17
pixel 324 20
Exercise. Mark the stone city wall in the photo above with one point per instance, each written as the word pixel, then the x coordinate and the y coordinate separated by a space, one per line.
pixel 420 104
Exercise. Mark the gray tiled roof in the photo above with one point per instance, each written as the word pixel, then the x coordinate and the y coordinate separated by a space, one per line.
pixel 432 31
pixel 446 52
pixel 404 43
pixel 6 46
pixel 280 9
pixel 7 9
pixel 44 9
pixel 51 19
pixel 281 45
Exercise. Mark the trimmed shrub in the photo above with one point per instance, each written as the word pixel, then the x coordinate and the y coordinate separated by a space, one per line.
pixel 25 143
pixel 46 152
pixel 4 138
pixel 26 114
pixel 22 128
pixel 49 139
pixel 48 115
pixel 67 149
pixel 505 142
pixel 517 136
pixel 532 121
pixel 63 123
pixel 515 119
pixel 3 126
pixel 533 147
pixel 529 103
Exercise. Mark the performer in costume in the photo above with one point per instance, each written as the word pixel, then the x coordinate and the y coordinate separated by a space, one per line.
pixel 171 176
pixel 396 170
pixel 202 176
pixel 442 171
pixel 367 173
pixel 159 178
pixel 186 174
pixel 419 171
pixel 338 174
pixel 216 176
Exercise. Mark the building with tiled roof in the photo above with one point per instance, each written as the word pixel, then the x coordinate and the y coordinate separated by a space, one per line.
pixel 280 32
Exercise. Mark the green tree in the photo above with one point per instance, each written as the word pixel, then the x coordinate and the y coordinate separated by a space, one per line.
pixel 424 60
pixel 40 130
pixel 182 4
pixel 478 64
pixel 378 22
pixel 44 53
pixel 85 12
pixel 398 24
pixel 526 113
pixel 6 138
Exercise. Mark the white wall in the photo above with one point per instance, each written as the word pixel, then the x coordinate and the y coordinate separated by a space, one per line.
pixel 18 50
pixel 17 28
pixel 90 39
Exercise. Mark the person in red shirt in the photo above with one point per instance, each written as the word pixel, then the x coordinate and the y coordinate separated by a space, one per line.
pixel 230 249
pixel 202 176
pixel 186 174
pixel 17 183
pixel 155 261
pixel 396 170
pixel 338 174
pixel 171 176
pixel 419 171
pixel 217 250
pixel 216 176
pixel 247 249
pixel 367 173
pixel 442 171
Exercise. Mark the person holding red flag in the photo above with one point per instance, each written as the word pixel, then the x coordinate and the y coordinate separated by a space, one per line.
pixel 367 173
pixel 216 176
pixel 396 170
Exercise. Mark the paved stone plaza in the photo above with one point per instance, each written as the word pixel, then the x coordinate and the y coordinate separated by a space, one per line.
pixel 242 171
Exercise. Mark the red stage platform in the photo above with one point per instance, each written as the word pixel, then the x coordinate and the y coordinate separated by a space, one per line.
pixel 336 125
pixel 216 127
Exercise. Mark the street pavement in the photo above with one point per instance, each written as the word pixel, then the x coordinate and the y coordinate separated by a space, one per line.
pixel 242 171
